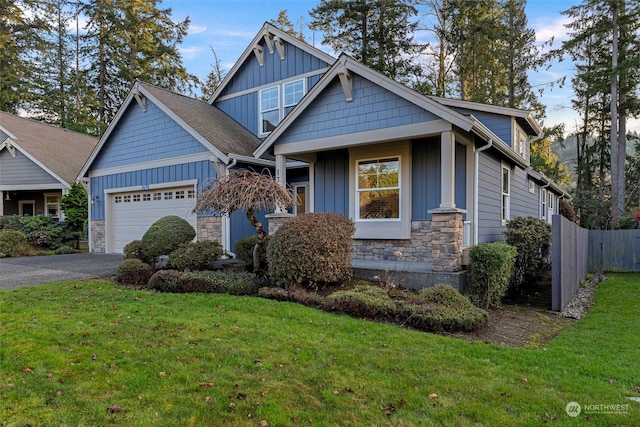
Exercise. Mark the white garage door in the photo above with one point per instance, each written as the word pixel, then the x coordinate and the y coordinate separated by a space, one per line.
pixel 133 212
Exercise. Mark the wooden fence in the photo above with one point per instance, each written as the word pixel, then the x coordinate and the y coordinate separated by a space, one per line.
pixel 569 260
pixel 614 250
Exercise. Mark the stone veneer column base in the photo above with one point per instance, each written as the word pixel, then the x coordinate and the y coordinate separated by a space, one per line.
pixel 98 239
pixel 209 228
pixel 276 219
pixel 446 229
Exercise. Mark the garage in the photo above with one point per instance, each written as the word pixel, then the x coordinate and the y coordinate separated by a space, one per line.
pixel 131 213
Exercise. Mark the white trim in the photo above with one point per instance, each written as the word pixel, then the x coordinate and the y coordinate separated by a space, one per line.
pixel 312 186
pixel 433 127
pixel 281 102
pixel 307 193
pixel 59 196
pixel 27 187
pixel 169 161
pixel 252 160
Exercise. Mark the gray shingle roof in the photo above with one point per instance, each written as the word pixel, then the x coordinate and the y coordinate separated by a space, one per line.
pixel 60 150
pixel 213 124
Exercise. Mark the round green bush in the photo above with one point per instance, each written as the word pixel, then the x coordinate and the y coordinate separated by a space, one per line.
pixel 136 250
pixel 368 302
pixel 166 281
pixel 133 272
pixel 13 243
pixel 196 256
pixel 311 248
pixel 166 235
pixel 532 239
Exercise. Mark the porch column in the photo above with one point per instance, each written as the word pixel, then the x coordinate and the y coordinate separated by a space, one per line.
pixel 281 170
pixel 447 170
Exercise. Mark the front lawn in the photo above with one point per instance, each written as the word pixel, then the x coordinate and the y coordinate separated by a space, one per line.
pixel 90 353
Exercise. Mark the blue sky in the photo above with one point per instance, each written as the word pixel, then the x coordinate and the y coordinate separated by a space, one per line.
pixel 229 25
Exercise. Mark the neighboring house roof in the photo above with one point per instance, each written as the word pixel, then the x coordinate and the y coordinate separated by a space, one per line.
pixel 346 65
pixel 222 135
pixel 60 152
pixel 271 34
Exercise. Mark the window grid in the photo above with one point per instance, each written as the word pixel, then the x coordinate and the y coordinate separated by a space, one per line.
pixel 378 189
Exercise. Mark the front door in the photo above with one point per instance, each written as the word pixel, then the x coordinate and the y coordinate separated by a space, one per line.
pixel 27 207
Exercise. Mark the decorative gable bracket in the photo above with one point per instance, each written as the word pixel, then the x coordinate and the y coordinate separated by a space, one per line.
pixel 141 100
pixel 10 148
pixel 346 81
pixel 258 51
pixel 272 41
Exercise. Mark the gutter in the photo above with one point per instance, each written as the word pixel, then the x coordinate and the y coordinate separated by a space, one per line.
pixel 476 189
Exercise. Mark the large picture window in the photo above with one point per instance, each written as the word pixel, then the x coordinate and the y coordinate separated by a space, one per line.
pixel 277 101
pixel 378 189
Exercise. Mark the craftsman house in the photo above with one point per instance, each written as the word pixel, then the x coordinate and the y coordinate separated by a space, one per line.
pixel 38 164
pixel 419 175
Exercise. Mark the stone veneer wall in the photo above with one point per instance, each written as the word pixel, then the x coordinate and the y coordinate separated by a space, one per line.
pixel 209 228
pixel 276 220
pixel 416 249
pixel 98 239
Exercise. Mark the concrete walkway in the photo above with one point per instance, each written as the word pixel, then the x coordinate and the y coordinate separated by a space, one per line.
pixel 34 270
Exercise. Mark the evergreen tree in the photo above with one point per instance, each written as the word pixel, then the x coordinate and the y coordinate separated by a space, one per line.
pixel 379 33
pixel 544 160
pixel 214 78
pixel 284 23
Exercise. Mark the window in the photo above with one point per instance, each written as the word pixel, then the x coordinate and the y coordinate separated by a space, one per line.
pixel 272 109
pixel 191 194
pixel 506 189
pixel 180 194
pixel 118 199
pixel 127 198
pixel 532 186
pixel 157 196
pixel 136 197
pixel 543 204
pixel 146 197
pixel 52 205
pixel 378 189
pixel 521 143
pixel 168 195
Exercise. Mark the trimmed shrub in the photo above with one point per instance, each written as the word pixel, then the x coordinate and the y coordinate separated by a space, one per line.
pixel 165 281
pixel 13 243
pixel 135 250
pixel 204 282
pixel 275 293
pixel 490 267
pixel 532 239
pixel 369 302
pixel 133 272
pixel 312 248
pixel 166 235
pixel 244 250
pixel 442 308
pixel 40 230
pixel 65 249
pixel 306 297
pixel 195 256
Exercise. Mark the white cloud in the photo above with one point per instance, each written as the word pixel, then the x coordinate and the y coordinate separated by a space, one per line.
pixel 197 29
pixel 551 29
pixel 191 52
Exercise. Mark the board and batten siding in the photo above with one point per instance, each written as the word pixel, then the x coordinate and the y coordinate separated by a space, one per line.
pixel 490 227
pixel 21 170
pixel 251 75
pixel 199 171
pixel 145 136
pixel 425 176
pixel 331 182
pixel 372 108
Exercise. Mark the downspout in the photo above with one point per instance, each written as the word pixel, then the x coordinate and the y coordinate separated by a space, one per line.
pixel 226 226
pixel 476 189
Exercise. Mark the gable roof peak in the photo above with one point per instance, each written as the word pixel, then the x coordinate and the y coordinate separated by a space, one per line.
pixel 270 34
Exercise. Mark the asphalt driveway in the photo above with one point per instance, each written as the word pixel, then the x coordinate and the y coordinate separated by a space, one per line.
pixel 34 270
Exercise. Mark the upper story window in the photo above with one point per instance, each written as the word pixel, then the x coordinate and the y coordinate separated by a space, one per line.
pixel 277 101
pixel 521 143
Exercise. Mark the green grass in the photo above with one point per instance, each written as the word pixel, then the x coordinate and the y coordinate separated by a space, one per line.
pixel 70 351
